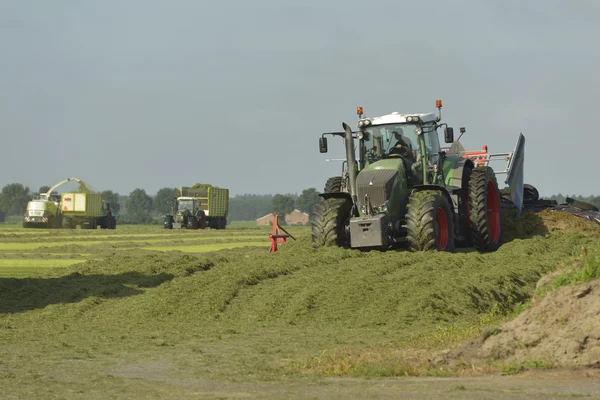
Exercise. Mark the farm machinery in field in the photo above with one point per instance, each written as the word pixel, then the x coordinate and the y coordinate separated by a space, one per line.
pixel 198 207
pixel 404 188
pixel 53 210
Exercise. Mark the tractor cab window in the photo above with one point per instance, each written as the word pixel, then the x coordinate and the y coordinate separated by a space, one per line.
pixel 184 204
pixel 432 143
pixel 381 140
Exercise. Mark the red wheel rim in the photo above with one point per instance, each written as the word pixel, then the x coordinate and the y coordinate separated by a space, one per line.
pixel 442 228
pixel 493 205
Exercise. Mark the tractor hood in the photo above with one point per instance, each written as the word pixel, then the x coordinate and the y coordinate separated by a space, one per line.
pixel 377 183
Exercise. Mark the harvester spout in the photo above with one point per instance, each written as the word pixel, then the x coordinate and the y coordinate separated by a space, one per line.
pixel 351 160
pixel 60 184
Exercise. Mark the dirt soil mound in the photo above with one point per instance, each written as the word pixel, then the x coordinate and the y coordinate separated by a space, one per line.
pixel 560 330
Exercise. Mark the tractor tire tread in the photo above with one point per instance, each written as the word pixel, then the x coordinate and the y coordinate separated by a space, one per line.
pixel 328 222
pixel 478 190
pixel 333 185
pixel 421 221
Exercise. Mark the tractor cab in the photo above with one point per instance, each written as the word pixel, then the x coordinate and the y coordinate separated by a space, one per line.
pixel 186 203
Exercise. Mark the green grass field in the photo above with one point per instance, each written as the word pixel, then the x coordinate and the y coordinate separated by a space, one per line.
pixel 142 312
pixel 25 252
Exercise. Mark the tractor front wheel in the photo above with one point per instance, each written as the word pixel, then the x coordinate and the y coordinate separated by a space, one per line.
pixel 429 222
pixel 333 185
pixel 484 209
pixel 192 222
pixel 330 219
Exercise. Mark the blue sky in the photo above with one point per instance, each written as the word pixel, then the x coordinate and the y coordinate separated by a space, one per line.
pixel 147 94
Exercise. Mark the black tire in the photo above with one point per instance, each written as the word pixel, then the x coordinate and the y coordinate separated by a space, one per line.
pixel 530 193
pixel 333 185
pixel 505 194
pixel 582 205
pixel 464 238
pixel 202 220
pixel 484 209
pixel 429 222
pixel 330 218
pixel 192 222
pixel 168 223
pixel 113 222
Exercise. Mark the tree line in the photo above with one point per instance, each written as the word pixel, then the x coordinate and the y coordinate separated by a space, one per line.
pixel 138 207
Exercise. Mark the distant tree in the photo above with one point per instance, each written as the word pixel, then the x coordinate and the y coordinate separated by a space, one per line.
pixel 139 206
pixel 14 198
pixel 162 202
pixel 112 199
pixel 248 207
pixel 44 189
pixel 123 204
pixel 307 200
pixel 282 204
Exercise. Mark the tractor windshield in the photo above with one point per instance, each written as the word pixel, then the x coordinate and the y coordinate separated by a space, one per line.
pixel 184 204
pixel 380 140
pixel 36 205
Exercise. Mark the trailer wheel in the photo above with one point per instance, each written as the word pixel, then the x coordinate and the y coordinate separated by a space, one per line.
pixel 330 220
pixel 530 193
pixel 429 222
pixel 484 204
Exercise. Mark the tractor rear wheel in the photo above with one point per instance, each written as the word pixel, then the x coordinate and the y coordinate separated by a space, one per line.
pixel 484 209
pixel 192 222
pixel 429 222
pixel 464 236
pixel 330 219
pixel 333 185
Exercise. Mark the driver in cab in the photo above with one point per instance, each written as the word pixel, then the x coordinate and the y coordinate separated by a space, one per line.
pixel 402 146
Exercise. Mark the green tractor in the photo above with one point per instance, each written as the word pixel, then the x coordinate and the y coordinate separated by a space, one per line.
pixel 198 207
pixel 405 190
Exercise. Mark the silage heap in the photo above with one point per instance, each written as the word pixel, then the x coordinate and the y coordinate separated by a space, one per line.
pixel 325 299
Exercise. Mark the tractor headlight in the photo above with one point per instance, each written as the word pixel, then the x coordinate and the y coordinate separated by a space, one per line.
pixel 364 122
pixel 383 208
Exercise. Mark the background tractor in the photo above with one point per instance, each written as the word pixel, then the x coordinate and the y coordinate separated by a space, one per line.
pixel 404 188
pixel 198 207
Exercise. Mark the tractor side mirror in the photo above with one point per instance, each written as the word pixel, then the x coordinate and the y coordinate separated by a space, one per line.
pixel 449 135
pixel 323 144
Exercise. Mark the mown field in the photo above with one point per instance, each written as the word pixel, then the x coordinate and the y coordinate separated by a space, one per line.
pixel 145 313
pixel 24 252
